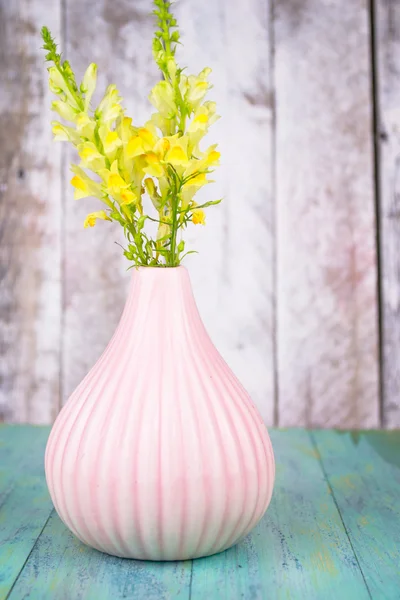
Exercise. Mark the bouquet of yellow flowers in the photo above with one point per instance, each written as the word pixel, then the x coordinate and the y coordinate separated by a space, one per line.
pixel 121 161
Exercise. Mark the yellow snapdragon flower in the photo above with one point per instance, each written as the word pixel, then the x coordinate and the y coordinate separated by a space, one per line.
pixel 177 155
pixel 204 116
pixel 110 107
pixel 90 156
pixel 117 187
pixel 199 217
pixel 84 185
pixel 85 126
pixel 110 140
pixel 162 97
pixel 91 218
pixel 125 129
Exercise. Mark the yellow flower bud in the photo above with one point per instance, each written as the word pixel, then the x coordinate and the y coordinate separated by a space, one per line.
pixel 58 85
pixel 63 133
pixel 89 83
pixel 152 192
pixel 171 67
pixel 150 186
pixel 65 110
pixel 197 88
pixel 109 108
pixel 163 98
pixel 163 232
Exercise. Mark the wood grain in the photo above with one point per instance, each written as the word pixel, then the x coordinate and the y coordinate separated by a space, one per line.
pixel 30 216
pixel 25 503
pixel 60 566
pixel 326 256
pixel 233 272
pixel 387 56
pixel 363 470
pixel 117 35
pixel 299 550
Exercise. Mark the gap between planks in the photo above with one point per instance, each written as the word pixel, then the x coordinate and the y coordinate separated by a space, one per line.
pixel 29 555
pixel 315 446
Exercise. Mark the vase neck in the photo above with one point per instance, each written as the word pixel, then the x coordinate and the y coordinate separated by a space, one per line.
pixel 159 294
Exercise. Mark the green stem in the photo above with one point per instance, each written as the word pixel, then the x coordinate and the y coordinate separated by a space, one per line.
pixel 174 230
pixel 167 41
pixel 78 100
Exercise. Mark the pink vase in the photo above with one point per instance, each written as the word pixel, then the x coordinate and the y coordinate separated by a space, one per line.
pixel 160 454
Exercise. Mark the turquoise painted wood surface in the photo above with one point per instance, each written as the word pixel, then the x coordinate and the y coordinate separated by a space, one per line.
pixel 332 530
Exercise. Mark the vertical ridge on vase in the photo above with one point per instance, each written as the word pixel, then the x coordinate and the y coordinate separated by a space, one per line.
pixel 183 469
pixel 196 363
pixel 159 476
pixel 137 387
pixel 75 398
pixel 122 360
pixel 132 535
pixel 218 395
pixel 108 465
pixel 212 397
pixel 103 466
pixel 200 328
pixel 147 455
pixel 123 430
pixel 244 404
pixel 84 432
pixel 187 377
pixel 136 541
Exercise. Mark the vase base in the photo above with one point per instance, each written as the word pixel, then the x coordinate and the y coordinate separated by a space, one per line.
pixel 154 559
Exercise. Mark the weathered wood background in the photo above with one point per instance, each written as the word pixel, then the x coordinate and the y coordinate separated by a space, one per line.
pixel 298 276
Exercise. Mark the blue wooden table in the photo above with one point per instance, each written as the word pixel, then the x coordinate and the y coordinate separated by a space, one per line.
pixel 332 530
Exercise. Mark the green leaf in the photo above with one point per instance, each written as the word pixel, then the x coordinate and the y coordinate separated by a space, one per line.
pixel 141 222
pixel 189 252
pixel 205 205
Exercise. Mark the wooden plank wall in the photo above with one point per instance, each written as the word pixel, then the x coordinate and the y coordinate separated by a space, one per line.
pixel 287 276
pixel 387 67
pixel 30 220
pixel 326 255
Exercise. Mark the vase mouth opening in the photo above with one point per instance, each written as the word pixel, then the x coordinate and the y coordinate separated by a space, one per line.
pixel 163 268
pixel 159 273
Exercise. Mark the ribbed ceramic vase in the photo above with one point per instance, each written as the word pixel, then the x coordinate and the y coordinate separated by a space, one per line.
pixel 160 454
